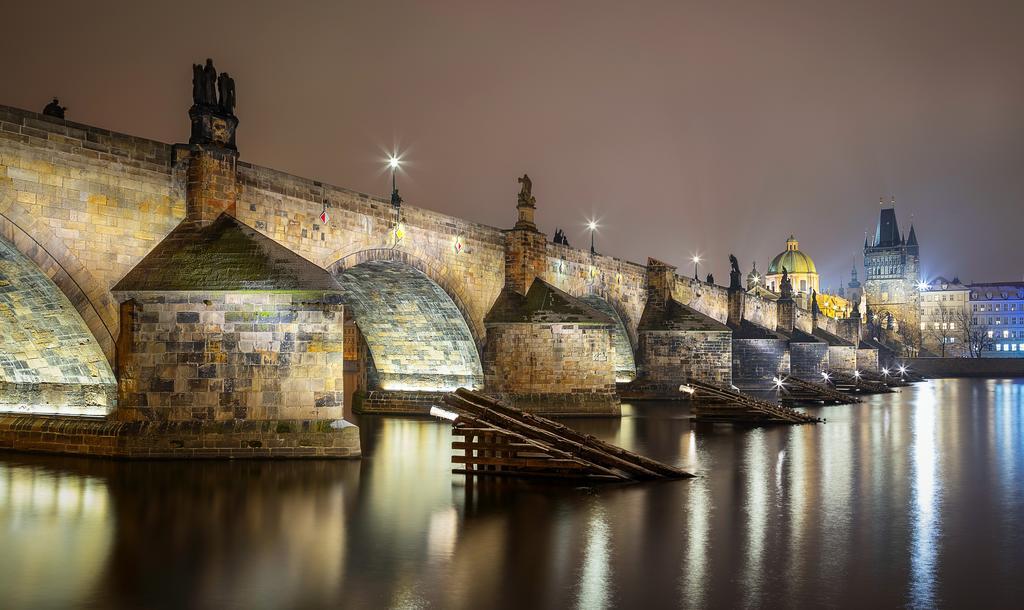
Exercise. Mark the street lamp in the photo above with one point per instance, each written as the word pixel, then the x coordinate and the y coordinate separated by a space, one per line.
pixel 394 162
pixel 922 285
pixel 592 225
pixel 696 260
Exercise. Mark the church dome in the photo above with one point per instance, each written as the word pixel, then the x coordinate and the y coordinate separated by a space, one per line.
pixel 792 259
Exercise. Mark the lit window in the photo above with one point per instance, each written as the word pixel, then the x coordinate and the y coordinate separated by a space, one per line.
pixel 1006 334
pixel 1013 347
pixel 990 334
pixel 952 326
pixel 999 348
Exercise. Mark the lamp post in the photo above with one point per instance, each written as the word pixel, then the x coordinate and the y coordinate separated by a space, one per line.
pixel 592 225
pixel 394 162
pixel 696 261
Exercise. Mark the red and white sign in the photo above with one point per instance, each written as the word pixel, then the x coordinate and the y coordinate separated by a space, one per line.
pixel 324 217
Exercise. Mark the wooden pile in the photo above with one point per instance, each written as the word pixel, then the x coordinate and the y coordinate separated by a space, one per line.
pixel 499 440
pixel 892 381
pixel 796 390
pixel 848 383
pixel 717 404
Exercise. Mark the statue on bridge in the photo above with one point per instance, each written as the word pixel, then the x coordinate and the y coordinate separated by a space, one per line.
pixel 526 197
pixel 560 238
pixel 207 86
pixel 785 285
pixel 710 279
pixel 213 107
pixel 734 274
pixel 54 109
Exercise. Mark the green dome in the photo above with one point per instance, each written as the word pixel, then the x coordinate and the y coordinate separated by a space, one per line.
pixel 792 259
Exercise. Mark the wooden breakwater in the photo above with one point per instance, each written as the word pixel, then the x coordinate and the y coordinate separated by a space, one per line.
pixel 499 440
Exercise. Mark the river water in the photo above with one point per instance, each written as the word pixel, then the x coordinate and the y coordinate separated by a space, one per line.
pixel 907 500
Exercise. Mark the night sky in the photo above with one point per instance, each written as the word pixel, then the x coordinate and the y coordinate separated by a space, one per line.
pixel 685 127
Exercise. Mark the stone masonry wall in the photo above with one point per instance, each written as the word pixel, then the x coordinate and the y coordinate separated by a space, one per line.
pixel 756 361
pixel 223 356
pixel 712 301
pixel 760 311
pixel 464 258
pixel 803 320
pixel 548 360
pixel 808 360
pixel 676 356
pixel 85 204
pixel 842 358
pixel 867 359
pixel 621 284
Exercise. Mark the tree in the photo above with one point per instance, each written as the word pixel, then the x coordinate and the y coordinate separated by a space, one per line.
pixel 976 337
pixel 944 327
pixel 908 334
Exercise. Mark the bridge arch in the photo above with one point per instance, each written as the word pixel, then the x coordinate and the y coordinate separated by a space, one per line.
pixel 622 340
pixel 416 327
pixel 93 301
pixel 50 362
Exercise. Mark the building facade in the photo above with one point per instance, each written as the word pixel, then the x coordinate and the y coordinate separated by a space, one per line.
pixel 997 311
pixel 892 272
pixel 802 272
pixel 945 323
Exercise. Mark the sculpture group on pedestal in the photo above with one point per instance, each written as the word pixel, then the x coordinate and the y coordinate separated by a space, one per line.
pixel 211 90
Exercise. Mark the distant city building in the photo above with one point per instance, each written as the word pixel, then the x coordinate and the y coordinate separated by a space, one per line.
pixel 801 269
pixel 892 271
pixel 945 318
pixel 833 305
pixel 999 308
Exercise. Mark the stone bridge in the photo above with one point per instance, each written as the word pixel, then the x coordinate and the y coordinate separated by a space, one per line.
pixel 439 302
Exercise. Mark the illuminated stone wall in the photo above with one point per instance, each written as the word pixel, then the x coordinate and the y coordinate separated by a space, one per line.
pixel 553 368
pixel 808 360
pixel 85 204
pixel 216 356
pixel 756 361
pixel 465 259
pixel 867 359
pixel 625 364
pixel 676 356
pixel 416 335
pixel 49 360
pixel 842 358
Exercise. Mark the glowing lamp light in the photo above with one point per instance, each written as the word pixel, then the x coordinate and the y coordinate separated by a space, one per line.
pixel 695 259
pixel 922 285
pixel 902 369
pixel 686 389
pixel 592 225
pixel 856 374
pixel 779 383
pixel 394 162
pixel 885 372
pixel 825 376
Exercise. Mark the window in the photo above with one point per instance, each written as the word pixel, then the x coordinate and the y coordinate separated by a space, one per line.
pixel 952 326
pixel 990 334
pixel 1006 334
pixel 999 347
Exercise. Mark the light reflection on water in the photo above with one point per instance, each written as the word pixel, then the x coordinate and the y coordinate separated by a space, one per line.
pixel 912 499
